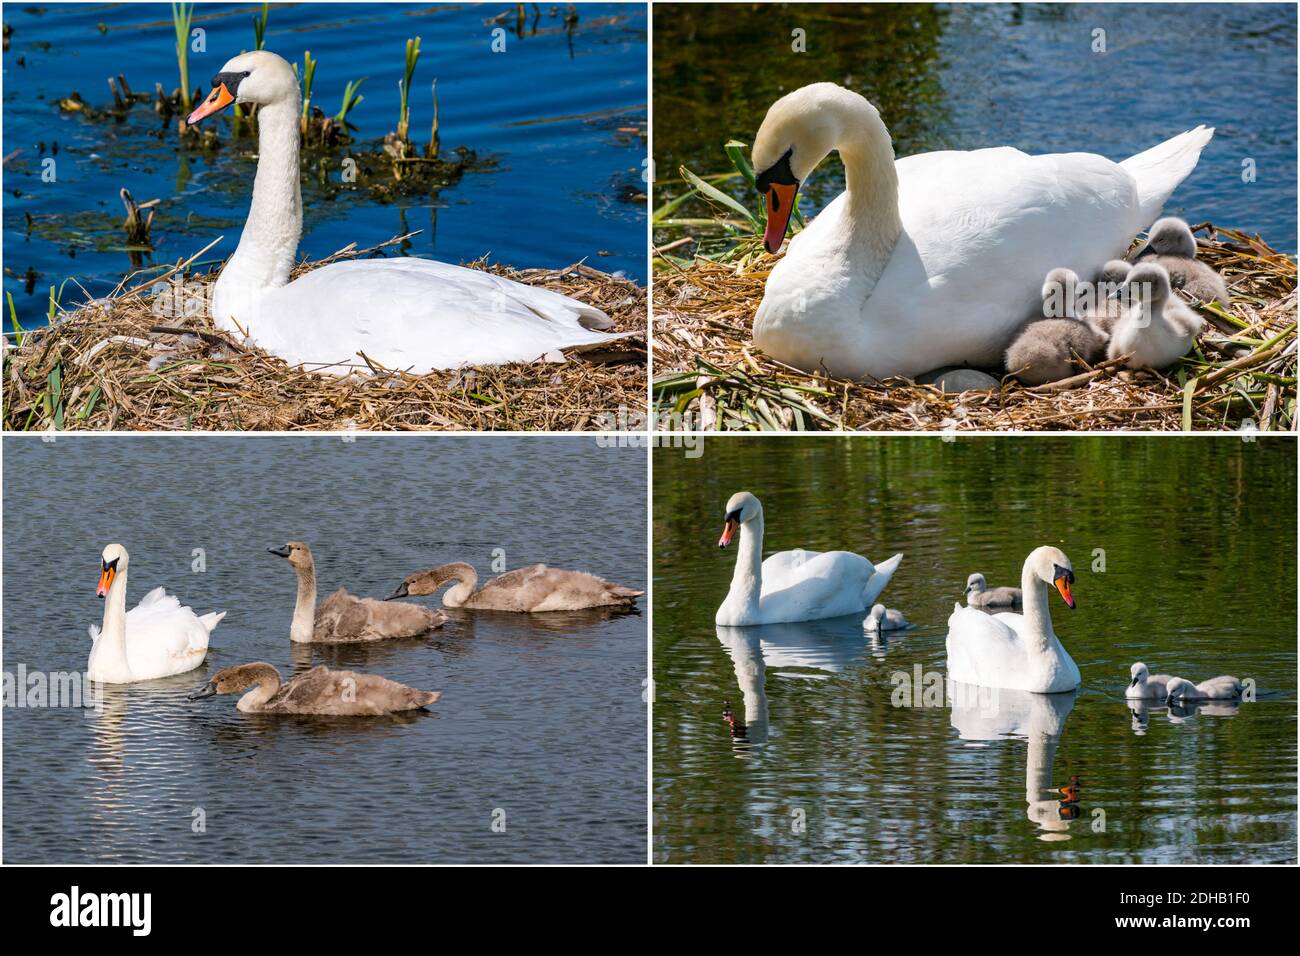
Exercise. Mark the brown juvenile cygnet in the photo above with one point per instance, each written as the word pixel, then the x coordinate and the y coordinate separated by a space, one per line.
pixel 1050 349
pixel 1171 244
pixel 318 691
pixel 341 617
pixel 980 595
pixel 530 589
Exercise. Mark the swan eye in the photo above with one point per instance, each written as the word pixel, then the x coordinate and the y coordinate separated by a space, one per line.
pixel 109 565
pixel 734 516
pixel 1060 572
pixel 778 173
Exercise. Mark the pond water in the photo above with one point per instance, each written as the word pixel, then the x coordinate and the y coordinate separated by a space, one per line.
pixel 541 723
pixel 966 76
pixel 821 765
pixel 558 120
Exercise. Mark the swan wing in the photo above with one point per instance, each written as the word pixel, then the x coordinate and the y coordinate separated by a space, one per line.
pixel 809 586
pixel 164 637
pixel 983 648
pixel 418 314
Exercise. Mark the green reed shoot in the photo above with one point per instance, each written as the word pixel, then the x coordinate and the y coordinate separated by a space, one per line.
pixel 350 100
pixel 259 28
pixel 308 73
pixel 433 133
pixel 404 88
pixel 182 15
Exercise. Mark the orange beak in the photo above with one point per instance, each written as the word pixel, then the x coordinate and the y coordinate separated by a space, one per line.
pixel 728 532
pixel 217 100
pixel 780 205
pixel 105 581
pixel 1063 586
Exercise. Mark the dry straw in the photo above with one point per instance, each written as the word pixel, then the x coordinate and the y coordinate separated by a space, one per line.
pixel 114 364
pixel 1242 373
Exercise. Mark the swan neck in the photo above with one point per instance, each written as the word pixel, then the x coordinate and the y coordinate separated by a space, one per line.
pixel 870 183
pixel 304 611
pixel 1038 617
pixel 262 691
pixel 466 579
pixel 113 632
pixel 269 241
pixel 747 579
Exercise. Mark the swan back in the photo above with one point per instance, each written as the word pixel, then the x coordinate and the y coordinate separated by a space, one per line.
pixel 345 618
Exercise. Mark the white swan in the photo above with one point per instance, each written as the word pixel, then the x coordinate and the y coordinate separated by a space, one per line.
pixel 156 638
pixel 1017 651
pixel 1146 686
pixel 792 585
pixel 1216 688
pixel 405 313
pixel 934 259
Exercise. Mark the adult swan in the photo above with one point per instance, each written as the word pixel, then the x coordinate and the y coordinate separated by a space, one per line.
pixel 1017 651
pixel 793 585
pixel 935 259
pixel 405 313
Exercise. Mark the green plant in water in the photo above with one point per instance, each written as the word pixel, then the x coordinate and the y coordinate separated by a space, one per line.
pixel 182 14
pixel 351 98
pixel 308 74
pixel 259 28
pixel 433 133
pixel 19 333
pixel 404 88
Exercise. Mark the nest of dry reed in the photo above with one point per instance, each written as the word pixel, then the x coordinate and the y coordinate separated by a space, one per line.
pixel 1241 375
pixel 114 364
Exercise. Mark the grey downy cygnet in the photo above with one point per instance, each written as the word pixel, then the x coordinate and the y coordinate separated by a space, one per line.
pixel 1225 687
pixel 882 618
pixel 980 595
pixel 1157 328
pixel 1171 244
pixel 1050 349
pixel 1143 685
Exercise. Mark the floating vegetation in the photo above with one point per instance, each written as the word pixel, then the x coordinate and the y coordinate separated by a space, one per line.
pixel 124 362
pixel 1241 374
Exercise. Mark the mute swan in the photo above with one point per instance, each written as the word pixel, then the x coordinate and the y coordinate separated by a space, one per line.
pixel 156 638
pixel 882 618
pixel 792 585
pixel 1156 329
pixel 1216 688
pixel 1170 243
pixel 1050 349
pixel 318 691
pixel 1015 651
pixel 1146 686
pixel 932 260
pixel 404 313
pixel 980 595
pixel 532 589
pixel 343 618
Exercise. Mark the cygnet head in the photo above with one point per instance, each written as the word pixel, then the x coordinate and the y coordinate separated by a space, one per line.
pixel 231 680
pixel 741 507
pixel 258 77
pixel 298 553
pixel 1053 567
pixel 1061 294
pixel 797 133
pixel 1114 272
pixel 1138 672
pixel 1170 236
pixel 112 562
pixel 1178 688
pixel 876 616
pixel 976 584
pixel 1147 284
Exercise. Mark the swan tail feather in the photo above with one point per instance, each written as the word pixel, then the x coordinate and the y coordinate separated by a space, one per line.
pixel 1159 170
pixel 880 579
pixel 210 621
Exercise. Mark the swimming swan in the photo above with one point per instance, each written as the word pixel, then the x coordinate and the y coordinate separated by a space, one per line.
pixel 792 585
pixel 980 595
pixel 532 589
pixel 1017 651
pixel 318 691
pixel 156 638
pixel 404 313
pixel 1146 686
pixel 1216 688
pixel 933 259
pixel 343 618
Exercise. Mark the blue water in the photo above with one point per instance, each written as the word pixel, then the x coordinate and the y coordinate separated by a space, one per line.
pixel 553 111
pixel 968 76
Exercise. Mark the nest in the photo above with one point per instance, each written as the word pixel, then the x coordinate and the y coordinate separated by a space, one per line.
pixel 1241 374
pixel 113 364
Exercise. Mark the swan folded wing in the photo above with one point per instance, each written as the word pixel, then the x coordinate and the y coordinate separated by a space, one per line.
pixel 421 315
pixel 343 618
pixel 160 626
pixel 813 585
pixel 982 646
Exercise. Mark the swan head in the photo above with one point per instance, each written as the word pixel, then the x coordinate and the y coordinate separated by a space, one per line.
pixel 297 552
pixel 798 132
pixel 112 562
pixel 1138 672
pixel 976 584
pixel 258 77
pixel 1061 294
pixel 1114 271
pixel 741 507
pixel 1170 236
pixel 1051 566
pixel 423 583
pixel 1179 688
pixel 872 623
pixel 231 680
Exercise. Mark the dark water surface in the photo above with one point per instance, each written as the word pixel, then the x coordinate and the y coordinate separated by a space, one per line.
pixel 1199 543
pixel 556 113
pixel 541 717
pixel 967 76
